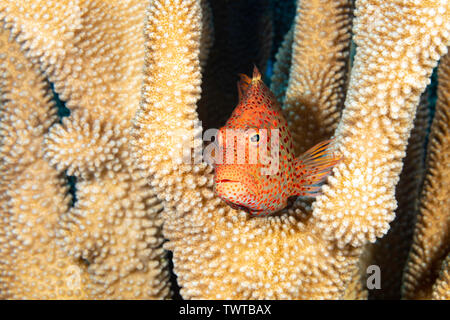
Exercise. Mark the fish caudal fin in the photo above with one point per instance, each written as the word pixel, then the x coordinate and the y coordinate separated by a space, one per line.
pixel 312 168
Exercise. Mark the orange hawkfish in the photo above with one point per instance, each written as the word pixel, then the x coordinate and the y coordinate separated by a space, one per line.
pixel 255 121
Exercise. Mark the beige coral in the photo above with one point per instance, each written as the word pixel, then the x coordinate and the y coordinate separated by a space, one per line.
pixel 391 252
pixel 441 289
pixel 320 52
pixel 214 247
pixel 356 288
pixel 94 57
pixel 91 50
pixel 109 242
pixel 431 242
pixel 294 261
pixel 387 79
pixel 115 223
pixel 32 194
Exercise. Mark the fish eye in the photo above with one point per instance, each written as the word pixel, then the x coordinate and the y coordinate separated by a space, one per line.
pixel 254 138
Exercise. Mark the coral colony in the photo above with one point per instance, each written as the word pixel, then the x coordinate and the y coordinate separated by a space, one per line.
pixel 92 203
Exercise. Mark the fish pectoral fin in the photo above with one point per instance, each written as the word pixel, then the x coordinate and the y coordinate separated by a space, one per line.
pixel 312 168
pixel 243 85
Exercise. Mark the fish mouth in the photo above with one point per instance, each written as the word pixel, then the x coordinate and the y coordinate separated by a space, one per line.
pixel 250 211
pixel 223 182
pixel 226 180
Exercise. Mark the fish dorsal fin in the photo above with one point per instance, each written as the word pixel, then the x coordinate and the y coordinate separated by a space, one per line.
pixel 243 85
pixel 245 82
pixel 312 168
pixel 256 75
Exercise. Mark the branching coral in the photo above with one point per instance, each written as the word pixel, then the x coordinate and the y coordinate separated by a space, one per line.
pixel 32 194
pixel 431 243
pixel 441 289
pixel 387 79
pixel 91 50
pixel 292 260
pixel 94 57
pixel 356 287
pixel 390 252
pixel 133 174
pixel 320 50
pixel 357 206
pixel 114 224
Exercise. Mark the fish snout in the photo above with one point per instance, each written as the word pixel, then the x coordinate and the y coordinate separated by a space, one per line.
pixel 234 185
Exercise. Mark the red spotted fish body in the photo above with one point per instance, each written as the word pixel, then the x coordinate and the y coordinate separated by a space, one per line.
pixel 263 183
